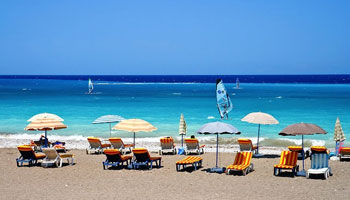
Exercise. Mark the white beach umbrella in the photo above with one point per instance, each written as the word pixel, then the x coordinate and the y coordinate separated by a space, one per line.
pixel 135 125
pixel 182 128
pixel 45 116
pixel 259 118
pixel 108 119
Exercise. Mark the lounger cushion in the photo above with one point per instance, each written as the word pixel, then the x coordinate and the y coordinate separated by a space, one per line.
pixel 105 145
pixel 319 148
pixel 284 166
pixel 189 160
pixel 295 148
pixel 345 149
pixel 288 160
pixel 39 155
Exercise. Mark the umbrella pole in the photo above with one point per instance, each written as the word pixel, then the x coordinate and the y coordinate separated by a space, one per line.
pixel 182 141
pixel 134 139
pixel 110 130
pixel 302 146
pixel 46 139
pixel 257 145
pixel 217 149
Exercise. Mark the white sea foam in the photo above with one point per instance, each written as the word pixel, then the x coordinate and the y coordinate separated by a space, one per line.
pixel 279 97
pixel 177 93
pixel 210 117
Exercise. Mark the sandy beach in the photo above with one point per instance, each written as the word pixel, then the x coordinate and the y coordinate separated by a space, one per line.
pixel 87 180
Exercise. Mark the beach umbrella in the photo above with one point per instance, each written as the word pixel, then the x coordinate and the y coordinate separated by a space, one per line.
pixel 42 122
pixel 135 125
pixel 108 119
pixel 218 128
pixel 182 129
pixel 302 129
pixel 339 136
pixel 259 118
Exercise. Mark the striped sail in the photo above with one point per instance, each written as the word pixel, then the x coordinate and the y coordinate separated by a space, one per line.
pixel 224 103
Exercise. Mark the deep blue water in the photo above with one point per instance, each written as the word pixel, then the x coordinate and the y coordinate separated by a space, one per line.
pixel 162 103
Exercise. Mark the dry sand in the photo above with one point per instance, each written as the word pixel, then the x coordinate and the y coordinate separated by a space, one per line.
pixel 87 180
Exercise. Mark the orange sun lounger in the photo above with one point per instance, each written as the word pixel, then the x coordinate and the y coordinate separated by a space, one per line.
pixel 143 158
pixel 117 143
pixel 28 155
pixel 192 146
pixel 95 145
pixel 195 161
pixel 167 145
pixel 246 145
pixel 344 152
pixel 114 158
pixel 242 163
pixel 288 161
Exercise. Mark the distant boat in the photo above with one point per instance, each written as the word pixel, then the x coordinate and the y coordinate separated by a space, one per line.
pixel 237 83
pixel 91 86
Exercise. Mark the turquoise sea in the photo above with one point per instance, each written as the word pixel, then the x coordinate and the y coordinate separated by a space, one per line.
pixel 162 103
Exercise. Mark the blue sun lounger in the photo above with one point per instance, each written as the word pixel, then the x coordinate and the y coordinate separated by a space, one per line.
pixel 319 162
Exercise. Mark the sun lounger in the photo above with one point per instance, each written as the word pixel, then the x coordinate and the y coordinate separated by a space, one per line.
pixel 300 151
pixel 242 163
pixel 288 161
pixel 195 161
pixel 246 145
pixel 143 158
pixel 28 155
pixel 344 152
pixel 114 158
pixel 96 146
pixel 60 148
pixel 117 143
pixel 319 162
pixel 52 158
pixel 192 146
pixel 167 146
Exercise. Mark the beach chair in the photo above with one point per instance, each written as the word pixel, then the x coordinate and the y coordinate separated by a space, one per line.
pixel 51 158
pixel 344 152
pixel 300 151
pixel 319 162
pixel 114 158
pixel 96 146
pixel 288 161
pixel 28 156
pixel 195 161
pixel 192 146
pixel 242 163
pixel 143 158
pixel 117 143
pixel 246 145
pixel 167 146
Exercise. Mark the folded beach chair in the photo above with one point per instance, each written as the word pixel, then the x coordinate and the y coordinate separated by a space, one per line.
pixel 300 151
pixel 117 143
pixel 288 161
pixel 246 145
pixel 242 163
pixel 96 146
pixel 28 155
pixel 114 158
pixel 344 152
pixel 143 158
pixel 192 146
pixel 167 146
pixel 195 161
pixel 319 162
pixel 52 158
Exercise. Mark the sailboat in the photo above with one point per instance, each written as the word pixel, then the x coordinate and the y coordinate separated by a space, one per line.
pixel 237 84
pixel 91 86
pixel 224 103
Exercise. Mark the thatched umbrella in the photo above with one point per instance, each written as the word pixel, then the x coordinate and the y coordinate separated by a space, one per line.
pixel 135 125
pixel 339 136
pixel 302 129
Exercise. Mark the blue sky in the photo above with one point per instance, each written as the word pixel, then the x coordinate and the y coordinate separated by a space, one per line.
pixel 174 37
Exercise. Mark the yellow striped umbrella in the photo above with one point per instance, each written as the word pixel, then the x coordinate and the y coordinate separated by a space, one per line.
pixel 135 125
pixel 44 123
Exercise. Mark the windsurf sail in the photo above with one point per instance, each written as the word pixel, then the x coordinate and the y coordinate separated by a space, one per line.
pixel 223 100
pixel 237 83
pixel 91 86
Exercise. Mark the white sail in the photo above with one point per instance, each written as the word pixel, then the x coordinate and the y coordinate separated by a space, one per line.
pixel 91 86
pixel 237 83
